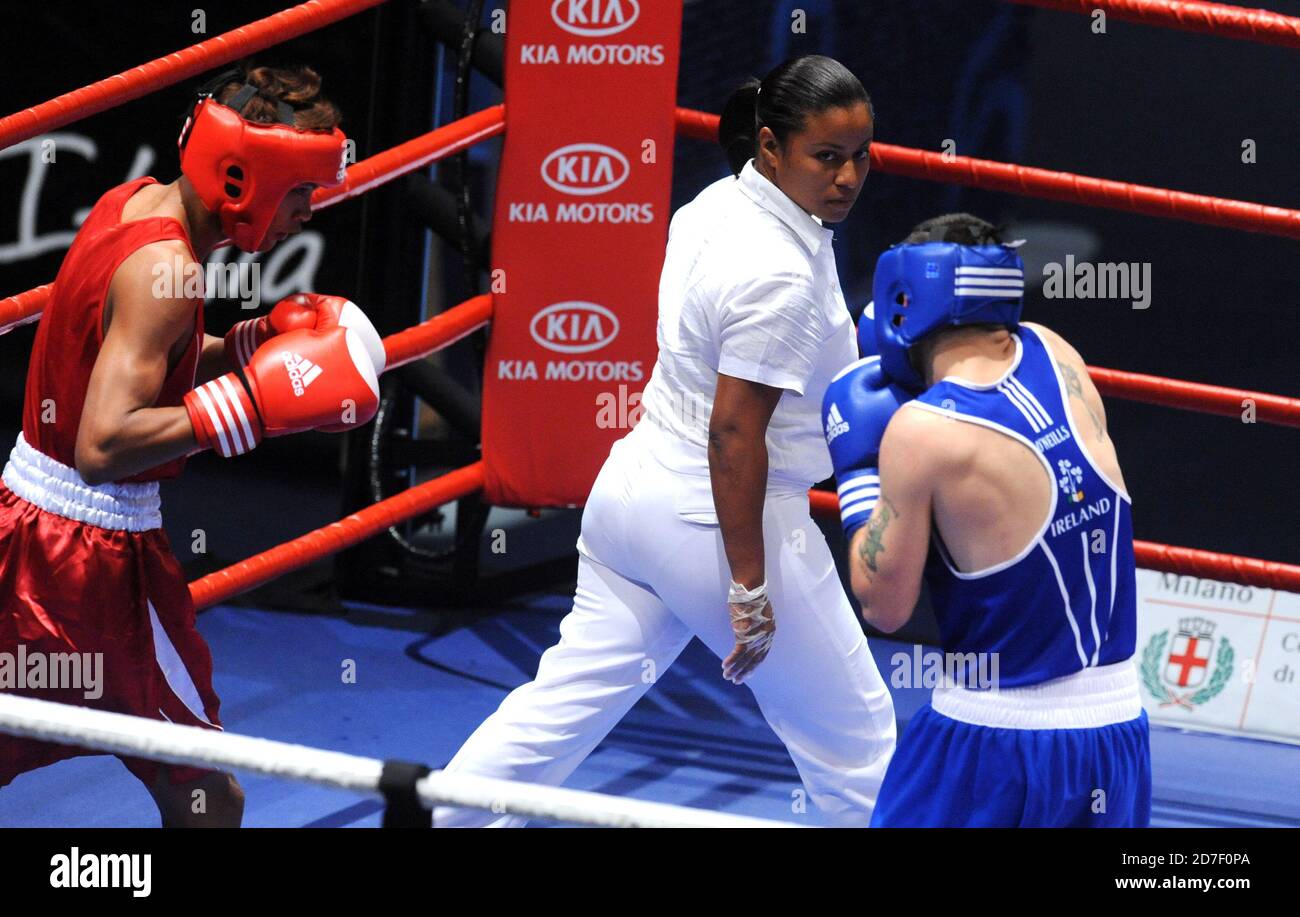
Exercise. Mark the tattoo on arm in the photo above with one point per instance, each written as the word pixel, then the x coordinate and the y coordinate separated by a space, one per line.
pixel 1075 387
pixel 872 545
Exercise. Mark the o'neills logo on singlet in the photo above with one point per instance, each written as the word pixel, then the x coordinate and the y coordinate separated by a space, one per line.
pixel 1079 516
pixel 1053 437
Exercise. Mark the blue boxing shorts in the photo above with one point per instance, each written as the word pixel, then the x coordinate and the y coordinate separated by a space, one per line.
pixel 1070 753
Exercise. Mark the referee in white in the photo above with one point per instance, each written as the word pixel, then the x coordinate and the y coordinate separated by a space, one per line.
pixel 698 523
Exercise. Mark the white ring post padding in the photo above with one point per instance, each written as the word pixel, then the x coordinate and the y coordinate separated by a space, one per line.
pixel 119 733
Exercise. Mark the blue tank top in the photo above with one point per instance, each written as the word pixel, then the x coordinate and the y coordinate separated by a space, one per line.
pixel 1069 599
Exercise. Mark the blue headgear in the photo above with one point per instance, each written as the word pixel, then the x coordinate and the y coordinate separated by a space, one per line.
pixel 929 285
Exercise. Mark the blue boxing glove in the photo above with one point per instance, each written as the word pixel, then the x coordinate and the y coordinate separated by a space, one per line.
pixel 867 346
pixel 856 409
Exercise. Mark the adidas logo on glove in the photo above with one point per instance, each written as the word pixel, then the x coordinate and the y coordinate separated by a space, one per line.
pixel 835 423
pixel 302 372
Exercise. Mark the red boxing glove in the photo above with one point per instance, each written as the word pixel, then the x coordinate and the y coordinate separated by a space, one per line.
pixel 302 310
pixel 306 379
pixel 337 312
pixel 301 380
pixel 245 337
pixel 223 416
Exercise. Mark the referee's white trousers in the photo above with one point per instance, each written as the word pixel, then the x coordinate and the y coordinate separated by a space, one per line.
pixel 652 573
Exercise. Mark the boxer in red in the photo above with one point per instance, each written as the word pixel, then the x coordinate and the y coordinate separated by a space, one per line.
pixel 112 407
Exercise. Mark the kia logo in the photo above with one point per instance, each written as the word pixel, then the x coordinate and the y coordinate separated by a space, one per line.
pixel 594 18
pixel 574 327
pixel 585 169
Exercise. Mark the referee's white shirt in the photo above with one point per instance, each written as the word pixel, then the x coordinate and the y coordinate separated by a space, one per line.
pixel 749 288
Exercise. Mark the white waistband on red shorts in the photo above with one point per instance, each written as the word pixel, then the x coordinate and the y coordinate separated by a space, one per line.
pixel 1098 696
pixel 54 487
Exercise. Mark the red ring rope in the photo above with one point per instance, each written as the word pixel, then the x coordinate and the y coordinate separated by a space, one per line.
pixel 421 340
pixel 369 173
pixel 442 330
pixel 23 308
pixel 1196 396
pixel 261 568
pixel 455 323
pixel 981 173
pixel 1082 189
pixel 1248 571
pixel 1190 16
pixel 222 585
pixel 1029 181
pixel 179 65
pixel 417 153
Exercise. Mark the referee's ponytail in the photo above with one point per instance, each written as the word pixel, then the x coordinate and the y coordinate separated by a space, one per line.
pixel 782 102
pixel 736 130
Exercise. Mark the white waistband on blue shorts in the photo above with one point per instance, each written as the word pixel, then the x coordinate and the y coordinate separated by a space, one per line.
pixel 56 488
pixel 1098 696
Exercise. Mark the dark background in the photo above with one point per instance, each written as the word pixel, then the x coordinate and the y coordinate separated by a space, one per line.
pixel 1004 82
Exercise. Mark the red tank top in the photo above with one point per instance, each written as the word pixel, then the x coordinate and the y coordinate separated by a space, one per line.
pixel 71 330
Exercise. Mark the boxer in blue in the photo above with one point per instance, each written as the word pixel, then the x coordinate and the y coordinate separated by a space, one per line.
pixel 972 450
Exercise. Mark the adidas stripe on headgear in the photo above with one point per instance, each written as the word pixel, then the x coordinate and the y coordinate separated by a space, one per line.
pixel 922 286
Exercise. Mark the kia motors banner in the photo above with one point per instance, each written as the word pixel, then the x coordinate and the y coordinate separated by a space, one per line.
pixel 581 221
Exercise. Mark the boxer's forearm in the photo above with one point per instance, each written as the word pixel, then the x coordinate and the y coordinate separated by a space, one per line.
pixel 212 360
pixel 143 439
pixel 887 600
pixel 738 473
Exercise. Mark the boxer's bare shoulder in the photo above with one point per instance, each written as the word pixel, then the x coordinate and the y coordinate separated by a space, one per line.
pixel 927 436
pixel 1085 398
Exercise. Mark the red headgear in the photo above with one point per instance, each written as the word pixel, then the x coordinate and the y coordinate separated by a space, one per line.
pixel 242 170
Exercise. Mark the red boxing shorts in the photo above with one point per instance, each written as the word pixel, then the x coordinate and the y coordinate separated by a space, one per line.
pixel 96 611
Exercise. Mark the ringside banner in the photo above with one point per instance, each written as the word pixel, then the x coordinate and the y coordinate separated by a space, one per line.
pixel 581 221
pixel 1218 656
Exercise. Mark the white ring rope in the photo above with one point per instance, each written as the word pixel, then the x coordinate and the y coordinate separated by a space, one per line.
pixel 209 748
